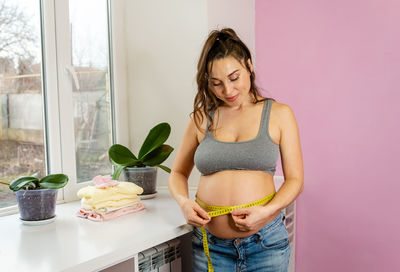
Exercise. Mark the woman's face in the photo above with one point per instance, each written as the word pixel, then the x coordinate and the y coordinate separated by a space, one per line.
pixel 230 81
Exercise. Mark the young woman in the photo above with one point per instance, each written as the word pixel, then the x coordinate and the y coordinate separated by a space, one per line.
pixel 234 137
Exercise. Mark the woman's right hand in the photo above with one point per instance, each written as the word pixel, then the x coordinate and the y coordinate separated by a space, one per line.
pixel 194 214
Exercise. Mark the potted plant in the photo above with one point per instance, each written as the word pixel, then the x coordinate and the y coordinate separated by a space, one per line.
pixel 36 197
pixel 142 170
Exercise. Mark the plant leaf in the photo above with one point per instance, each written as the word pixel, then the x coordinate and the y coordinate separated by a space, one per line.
pixel 121 155
pixel 156 137
pixel 54 181
pixel 158 155
pixel 22 182
pixel 117 172
pixel 163 167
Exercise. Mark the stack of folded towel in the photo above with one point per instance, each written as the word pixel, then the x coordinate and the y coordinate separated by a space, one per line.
pixel 109 199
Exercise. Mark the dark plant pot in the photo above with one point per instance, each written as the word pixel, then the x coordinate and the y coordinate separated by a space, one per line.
pixel 36 205
pixel 145 177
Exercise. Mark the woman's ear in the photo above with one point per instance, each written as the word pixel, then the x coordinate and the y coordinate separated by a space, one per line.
pixel 250 65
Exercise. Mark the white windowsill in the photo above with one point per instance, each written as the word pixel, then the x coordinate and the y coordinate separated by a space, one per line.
pixel 75 244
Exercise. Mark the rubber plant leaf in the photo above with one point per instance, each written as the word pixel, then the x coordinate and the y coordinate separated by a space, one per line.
pixel 158 155
pixel 117 172
pixel 121 155
pixel 23 182
pixel 54 181
pixel 156 137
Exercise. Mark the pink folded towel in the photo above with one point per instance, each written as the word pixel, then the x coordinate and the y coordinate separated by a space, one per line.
pixel 98 216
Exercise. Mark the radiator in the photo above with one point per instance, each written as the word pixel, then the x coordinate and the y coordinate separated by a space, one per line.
pixel 165 257
pixel 290 223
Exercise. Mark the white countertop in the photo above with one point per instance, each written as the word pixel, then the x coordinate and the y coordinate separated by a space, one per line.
pixel 76 244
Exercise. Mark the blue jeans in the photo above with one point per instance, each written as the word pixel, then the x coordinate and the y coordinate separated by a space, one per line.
pixel 265 251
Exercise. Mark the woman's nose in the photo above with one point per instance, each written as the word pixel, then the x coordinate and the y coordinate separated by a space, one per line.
pixel 228 89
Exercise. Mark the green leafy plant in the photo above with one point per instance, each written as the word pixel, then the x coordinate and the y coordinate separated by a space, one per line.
pixel 54 181
pixel 152 153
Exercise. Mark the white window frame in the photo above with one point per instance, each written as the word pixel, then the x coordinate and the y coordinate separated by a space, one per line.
pixel 57 84
pixel 58 123
pixel 65 108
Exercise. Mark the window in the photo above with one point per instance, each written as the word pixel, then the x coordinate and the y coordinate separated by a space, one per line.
pixel 91 101
pixel 56 110
pixel 22 142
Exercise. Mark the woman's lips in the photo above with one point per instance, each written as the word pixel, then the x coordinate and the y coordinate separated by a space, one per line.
pixel 232 98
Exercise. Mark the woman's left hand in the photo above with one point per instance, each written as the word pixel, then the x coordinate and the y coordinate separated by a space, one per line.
pixel 253 218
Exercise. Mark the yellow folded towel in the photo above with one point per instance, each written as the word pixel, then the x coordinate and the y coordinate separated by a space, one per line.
pixel 115 197
pixel 95 195
pixel 109 203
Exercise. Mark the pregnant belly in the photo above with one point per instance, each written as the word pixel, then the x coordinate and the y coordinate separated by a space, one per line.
pixel 229 188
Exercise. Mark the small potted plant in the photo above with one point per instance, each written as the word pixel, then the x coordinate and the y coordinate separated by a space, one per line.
pixel 36 197
pixel 142 170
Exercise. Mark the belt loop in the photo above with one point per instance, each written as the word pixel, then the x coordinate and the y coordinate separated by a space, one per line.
pixel 283 217
pixel 259 237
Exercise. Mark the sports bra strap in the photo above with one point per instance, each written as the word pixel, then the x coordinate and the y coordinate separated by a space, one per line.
pixel 265 117
pixel 209 133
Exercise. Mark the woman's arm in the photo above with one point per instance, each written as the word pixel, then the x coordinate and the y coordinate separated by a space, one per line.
pixel 292 162
pixel 178 179
pixel 292 165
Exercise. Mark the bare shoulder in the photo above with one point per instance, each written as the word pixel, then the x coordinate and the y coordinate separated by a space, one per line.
pixel 282 114
pixel 281 110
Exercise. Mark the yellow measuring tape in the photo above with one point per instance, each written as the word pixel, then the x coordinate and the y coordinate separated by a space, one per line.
pixel 221 210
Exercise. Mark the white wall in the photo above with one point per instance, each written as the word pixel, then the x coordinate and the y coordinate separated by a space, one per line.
pixel 164 39
pixel 236 14
pixel 163 42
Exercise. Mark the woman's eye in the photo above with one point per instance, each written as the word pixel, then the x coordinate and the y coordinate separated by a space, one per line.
pixel 216 84
pixel 234 79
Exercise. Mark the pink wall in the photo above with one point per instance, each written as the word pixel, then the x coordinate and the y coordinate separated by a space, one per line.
pixel 337 64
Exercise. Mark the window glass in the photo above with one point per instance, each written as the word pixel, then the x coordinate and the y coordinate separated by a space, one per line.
pixel 91 91
pixel 22 143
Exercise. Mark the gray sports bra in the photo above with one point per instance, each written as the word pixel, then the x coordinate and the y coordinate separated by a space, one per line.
pixel 260 153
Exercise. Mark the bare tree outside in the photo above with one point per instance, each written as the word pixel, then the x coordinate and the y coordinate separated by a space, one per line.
pixel 21 128
pixel 16 39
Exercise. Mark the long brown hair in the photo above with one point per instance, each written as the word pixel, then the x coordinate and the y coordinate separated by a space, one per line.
pixel 219 44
